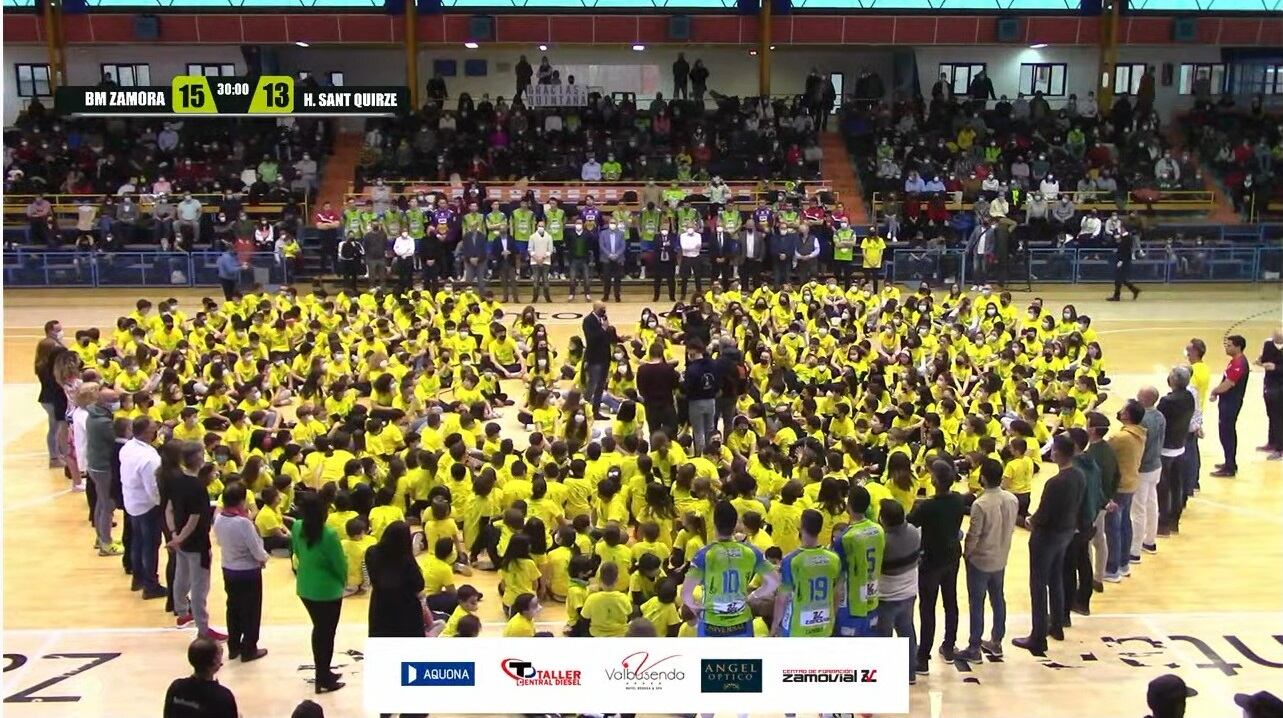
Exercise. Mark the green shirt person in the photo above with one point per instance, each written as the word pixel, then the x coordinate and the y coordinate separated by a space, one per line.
pixel 352 218
pixel 611 170
pixel 673 194
pixel 844 243
pixel 648 223
pixel 860 547
pixel 496 221
pixel 806 605
pixel 724 568
pixel 320 576
pixel 473 221
pixel 730 220
pixel 416 222
pixel 555 221
pixel 523 222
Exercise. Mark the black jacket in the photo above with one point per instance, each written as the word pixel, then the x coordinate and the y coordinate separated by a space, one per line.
pixel 1177 408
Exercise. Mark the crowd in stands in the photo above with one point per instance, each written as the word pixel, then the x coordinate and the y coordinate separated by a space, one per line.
pixel 150 181
pixel 1244 148
pixel 1016 162
pixel 614 137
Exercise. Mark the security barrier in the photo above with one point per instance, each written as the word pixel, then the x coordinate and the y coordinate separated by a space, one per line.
pixel 36 268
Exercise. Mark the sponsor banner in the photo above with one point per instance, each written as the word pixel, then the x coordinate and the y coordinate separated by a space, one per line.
pixel 637 675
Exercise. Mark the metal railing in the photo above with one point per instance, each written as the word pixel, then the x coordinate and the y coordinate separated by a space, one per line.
pixel 1068 265
pixel 39 268
pixel 609 193
pixel 1157 200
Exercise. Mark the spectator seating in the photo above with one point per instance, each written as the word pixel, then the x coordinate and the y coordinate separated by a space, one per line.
pixel 610 139
pixel 1245 151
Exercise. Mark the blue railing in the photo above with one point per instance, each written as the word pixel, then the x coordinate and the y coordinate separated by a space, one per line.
pixel 37 268
pixel 1157 264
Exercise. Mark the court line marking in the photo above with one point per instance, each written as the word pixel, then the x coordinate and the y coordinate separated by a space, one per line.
pixel 32 503
pixel 1190 615
pixel 45 647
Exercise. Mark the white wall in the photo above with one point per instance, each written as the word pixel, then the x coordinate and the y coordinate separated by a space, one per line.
pixel 1004 66
pixel 84 63
pixel 732 71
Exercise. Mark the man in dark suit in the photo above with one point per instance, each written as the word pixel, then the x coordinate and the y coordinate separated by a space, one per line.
pixel 721 256
pixel 783 248
pixel 475 251
pixel 503 250
pixel 612 248
pixel 751 249
pixel 599 339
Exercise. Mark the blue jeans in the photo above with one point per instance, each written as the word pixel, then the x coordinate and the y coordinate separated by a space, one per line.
pixel 1193 464
pixel 1118 532
pixel 145 550
pixel 896 618
pixel 703 418
pixel 1047 581
pixel 980 583
pixel 51 436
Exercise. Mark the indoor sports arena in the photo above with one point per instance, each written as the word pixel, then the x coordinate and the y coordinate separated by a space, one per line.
pixel 351 344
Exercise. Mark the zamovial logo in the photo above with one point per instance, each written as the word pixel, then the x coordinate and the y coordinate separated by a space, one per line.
pixel 438 673
pixel 524 673
pixel 830 675
pixel 730 675
pixel 640 672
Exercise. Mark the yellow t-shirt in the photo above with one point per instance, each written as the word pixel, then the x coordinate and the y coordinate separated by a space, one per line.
pixel 559 571
pixel 620 555
pixel 354 550
pixel 268 522
pixel 661 615
pixel 382 516
pixel 607 613
pixel 452 623
pixel 1018 475
pixel 576 594
pixel 518 577
pixel 519 627
pixel 437 574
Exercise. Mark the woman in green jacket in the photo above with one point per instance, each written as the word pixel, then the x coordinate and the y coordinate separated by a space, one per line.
pixel 322 572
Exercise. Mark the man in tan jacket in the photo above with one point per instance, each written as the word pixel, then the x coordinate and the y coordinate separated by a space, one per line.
pixel 1128 444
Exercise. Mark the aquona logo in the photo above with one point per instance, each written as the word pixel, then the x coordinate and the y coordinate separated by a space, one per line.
pixel 438 673
pixel 524 673
pixel 640 672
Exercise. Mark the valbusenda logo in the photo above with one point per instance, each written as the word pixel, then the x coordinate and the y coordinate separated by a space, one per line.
pixel 640 672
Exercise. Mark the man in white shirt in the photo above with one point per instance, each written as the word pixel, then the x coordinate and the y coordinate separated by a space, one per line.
pixel 690 243
pixel 591 170
pixel 540 250
pixel 1090 227
pixel 403 253
pixel 189 211
pixel 139 461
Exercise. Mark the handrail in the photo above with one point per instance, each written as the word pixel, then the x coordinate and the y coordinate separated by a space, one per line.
pixel 607 192
pixel 1167 201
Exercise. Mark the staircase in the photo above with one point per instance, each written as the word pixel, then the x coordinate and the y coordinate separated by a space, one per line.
pixel 340 168
pixel 836 169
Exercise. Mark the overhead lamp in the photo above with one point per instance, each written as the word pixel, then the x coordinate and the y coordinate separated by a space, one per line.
pixel 471 45
pixel 1037 46
pixel 638 47
pixel 543 48
pixel 300 43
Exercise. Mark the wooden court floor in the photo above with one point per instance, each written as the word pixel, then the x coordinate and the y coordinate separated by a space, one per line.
pixel 1208 605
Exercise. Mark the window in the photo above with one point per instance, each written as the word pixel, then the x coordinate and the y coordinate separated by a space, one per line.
pixel 212 69
pixel 1127 77
pixel 33 80
pixel 1047 78
pixel 960 74
pixel 1262 79
pixel 1194 74
pixel 137 74
pixel 336 78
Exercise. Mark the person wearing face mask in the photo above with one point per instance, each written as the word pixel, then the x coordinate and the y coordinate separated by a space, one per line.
pixel 579 270
pixel 691 255
pixel 665 265
pixel 612 252
pixel 721 253
pixel 751 251
pixel 540 248
pixel 599 340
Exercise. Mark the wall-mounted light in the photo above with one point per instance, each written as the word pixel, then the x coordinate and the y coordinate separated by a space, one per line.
pixel 638 47
pixel 471 45
pixel 1037 46
pixel 300 43
pixel 753 52
pixel 543 48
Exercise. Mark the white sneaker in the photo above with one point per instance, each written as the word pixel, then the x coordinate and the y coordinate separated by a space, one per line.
pixel 78 486
pixel 571 298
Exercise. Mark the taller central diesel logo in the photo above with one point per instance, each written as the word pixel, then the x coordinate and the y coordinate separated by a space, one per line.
pixel 524 673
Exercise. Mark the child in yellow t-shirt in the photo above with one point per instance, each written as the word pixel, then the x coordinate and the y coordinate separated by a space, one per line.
pixel 354 548
pixel 661 610
pixel 581 572
pixel 1017 477
pixel 270 523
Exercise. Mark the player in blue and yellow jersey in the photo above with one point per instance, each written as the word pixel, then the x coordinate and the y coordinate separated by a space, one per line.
pixel 809 576
pixel 724 568
pixel 860 550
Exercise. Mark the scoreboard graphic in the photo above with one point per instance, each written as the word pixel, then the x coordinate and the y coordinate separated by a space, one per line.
pixel 266 95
